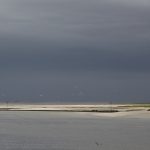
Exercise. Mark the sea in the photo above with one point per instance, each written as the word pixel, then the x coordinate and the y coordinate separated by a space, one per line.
pixel 28 130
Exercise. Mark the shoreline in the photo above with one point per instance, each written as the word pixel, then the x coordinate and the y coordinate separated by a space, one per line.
pixel 103 110
pixel 77 107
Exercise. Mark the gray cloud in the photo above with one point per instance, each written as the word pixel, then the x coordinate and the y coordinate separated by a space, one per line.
pixel 26 55
pixel 55 45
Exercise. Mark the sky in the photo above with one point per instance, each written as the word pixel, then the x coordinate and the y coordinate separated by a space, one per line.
pixel 75 51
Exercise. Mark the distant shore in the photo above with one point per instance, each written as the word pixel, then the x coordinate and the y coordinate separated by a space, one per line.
pixel 77 107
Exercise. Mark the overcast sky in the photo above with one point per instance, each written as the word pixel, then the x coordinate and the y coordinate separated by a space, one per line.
pixel 75 50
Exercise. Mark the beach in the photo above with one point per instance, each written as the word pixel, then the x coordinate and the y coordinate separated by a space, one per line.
pixel 106 110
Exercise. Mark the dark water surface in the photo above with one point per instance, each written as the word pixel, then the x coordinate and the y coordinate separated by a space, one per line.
pixel 71 131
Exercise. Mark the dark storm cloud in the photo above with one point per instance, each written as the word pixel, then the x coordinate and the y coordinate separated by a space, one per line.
pixel 31 56
pixel 58 43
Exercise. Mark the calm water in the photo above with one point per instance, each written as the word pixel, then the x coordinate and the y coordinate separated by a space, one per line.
pixel 71 131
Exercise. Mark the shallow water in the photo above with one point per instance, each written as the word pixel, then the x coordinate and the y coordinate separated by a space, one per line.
pixel 71 131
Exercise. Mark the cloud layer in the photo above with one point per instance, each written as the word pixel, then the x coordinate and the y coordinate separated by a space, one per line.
pixel 74 50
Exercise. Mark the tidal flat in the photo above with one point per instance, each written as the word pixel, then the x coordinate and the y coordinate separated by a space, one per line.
pixel 28 130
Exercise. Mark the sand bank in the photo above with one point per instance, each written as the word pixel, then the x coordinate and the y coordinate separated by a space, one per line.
pixel 115 110
pixel 131 114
